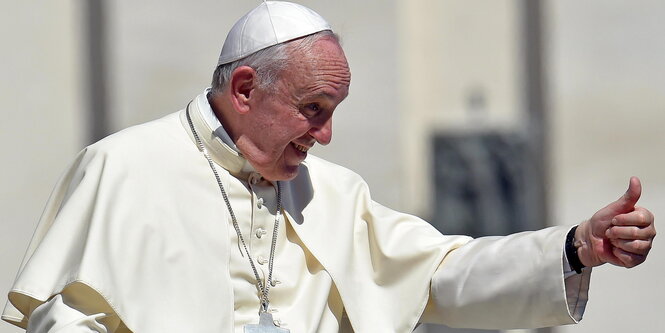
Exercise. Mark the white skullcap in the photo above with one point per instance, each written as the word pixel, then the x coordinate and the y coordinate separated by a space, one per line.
pixel 271 23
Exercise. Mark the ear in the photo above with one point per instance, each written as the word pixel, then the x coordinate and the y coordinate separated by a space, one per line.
pixel 242 86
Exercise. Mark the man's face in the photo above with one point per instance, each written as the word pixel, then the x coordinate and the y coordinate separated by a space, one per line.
pixel 297 113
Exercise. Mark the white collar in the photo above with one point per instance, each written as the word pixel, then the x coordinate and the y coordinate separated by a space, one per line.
pixel 218 129
pixel 212 120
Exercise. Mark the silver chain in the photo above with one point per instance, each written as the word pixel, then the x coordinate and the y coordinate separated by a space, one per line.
pixel 264 288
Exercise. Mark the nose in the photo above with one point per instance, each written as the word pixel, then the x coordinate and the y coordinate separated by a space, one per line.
pixel 322 133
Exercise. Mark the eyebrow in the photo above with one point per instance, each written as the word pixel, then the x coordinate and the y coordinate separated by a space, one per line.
pixel 320 94
pixel 323 94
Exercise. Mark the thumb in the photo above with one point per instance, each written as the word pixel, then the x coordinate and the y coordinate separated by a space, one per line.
pixel 626 203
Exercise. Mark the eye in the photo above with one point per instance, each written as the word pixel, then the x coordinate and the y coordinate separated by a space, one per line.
pixel 311 109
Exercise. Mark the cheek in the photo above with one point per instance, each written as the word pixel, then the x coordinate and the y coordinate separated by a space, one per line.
pixel 294 128
pixel 282 127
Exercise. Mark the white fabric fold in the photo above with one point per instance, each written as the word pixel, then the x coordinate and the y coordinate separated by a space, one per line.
pixel 55 316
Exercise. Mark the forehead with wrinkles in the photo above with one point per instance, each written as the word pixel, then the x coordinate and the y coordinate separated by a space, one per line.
pixel 321 66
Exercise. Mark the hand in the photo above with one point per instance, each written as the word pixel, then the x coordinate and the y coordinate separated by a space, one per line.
pixel 621 233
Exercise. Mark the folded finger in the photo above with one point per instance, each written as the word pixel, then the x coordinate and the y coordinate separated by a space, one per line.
pixel 640 217
pixel 628 259
pixel 639 247
pixel 619 232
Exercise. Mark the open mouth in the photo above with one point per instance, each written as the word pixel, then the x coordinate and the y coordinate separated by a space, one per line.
pixel 301 148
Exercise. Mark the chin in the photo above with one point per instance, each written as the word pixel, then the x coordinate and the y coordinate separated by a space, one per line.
pixel 285 173
pixel 290 174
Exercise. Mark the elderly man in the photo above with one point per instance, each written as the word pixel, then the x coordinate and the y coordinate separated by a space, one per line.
pixel 215 219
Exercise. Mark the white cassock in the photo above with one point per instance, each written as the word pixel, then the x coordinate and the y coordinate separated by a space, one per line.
pixel 136 237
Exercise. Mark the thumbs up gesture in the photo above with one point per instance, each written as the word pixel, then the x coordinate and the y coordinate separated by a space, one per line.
pixel 621 233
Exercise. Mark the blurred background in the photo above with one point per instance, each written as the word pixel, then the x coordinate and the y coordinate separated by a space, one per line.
pixel 483 117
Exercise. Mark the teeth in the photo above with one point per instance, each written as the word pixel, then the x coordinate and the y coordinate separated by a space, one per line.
pixel 301 148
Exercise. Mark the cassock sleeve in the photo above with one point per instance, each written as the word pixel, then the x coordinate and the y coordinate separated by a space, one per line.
pixel 516 281
pixel 577 289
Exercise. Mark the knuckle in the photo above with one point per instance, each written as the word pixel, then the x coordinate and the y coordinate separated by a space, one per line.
pixel 642 247
pixel 651 233
pixel 632 260
pixel 610 233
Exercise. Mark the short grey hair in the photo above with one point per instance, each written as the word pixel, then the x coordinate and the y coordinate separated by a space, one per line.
pixel 269 62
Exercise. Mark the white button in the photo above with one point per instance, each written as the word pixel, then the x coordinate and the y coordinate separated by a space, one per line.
pixel 259 203
pixel 261 260
pixel 254 178
pixel 260 232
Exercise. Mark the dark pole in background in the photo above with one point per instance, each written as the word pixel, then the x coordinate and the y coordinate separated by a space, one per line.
pixel 535 103
pixel 96 94
pixel 535 99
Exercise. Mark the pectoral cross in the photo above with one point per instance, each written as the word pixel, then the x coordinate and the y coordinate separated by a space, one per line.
pixel 265 325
